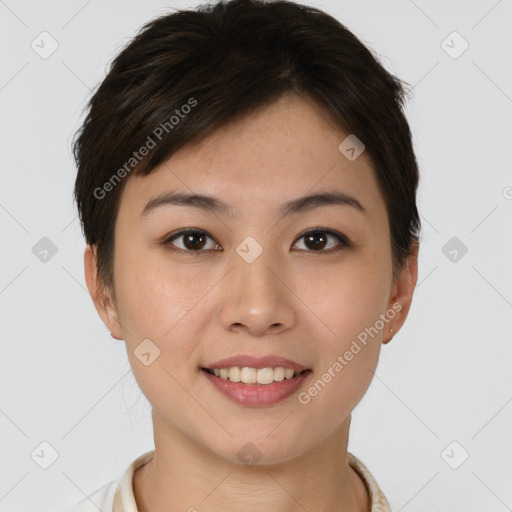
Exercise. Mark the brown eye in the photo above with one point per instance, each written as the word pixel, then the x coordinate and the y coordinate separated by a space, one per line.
pixel 194 240
pixel 316 240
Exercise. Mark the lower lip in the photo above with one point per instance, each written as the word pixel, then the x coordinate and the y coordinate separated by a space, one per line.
pixel 257 395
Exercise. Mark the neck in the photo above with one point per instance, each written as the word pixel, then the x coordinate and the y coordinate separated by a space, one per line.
pixel 186 476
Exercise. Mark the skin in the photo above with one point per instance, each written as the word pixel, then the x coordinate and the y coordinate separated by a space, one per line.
pixel 294 300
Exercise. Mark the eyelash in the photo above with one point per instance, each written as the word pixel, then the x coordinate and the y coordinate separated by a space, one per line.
pixel 344 241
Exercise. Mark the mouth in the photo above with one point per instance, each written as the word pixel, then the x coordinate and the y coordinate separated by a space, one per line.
pixel 256 387
pixel 256 381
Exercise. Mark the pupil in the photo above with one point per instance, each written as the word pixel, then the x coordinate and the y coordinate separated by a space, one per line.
pixel 189 241
pixel 314 237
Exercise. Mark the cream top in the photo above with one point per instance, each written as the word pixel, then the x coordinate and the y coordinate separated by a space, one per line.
pixel 117 496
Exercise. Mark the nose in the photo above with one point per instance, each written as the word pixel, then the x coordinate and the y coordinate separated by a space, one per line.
pixel 257 297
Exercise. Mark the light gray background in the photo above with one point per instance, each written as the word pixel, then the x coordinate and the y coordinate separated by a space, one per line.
pixel 445 377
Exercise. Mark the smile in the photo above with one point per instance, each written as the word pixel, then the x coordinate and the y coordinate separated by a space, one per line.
pixel 256 387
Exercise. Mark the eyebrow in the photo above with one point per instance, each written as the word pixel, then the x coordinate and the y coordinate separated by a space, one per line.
pixel 214 205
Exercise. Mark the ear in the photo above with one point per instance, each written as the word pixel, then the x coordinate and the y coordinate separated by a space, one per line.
pixel 402 292
pixel 101 296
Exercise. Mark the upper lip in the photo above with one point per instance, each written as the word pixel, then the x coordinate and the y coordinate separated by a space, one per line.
pixel 256 362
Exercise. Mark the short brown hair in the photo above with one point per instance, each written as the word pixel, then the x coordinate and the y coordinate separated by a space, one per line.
pixel 224 61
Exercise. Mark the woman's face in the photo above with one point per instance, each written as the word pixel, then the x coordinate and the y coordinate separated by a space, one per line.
pixel 253 282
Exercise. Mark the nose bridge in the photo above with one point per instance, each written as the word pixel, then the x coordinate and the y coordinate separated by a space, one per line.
pixel 254 293
pixel 255 268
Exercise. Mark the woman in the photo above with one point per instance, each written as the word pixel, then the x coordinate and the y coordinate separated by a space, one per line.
pixel 246 186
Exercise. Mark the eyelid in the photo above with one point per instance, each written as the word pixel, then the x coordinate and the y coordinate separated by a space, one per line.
pixel 344 241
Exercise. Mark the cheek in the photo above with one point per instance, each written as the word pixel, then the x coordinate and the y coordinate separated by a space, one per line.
pixel 348 353
pixel 156 305
pixel 348 298
pixel 348 305
pixel 153 297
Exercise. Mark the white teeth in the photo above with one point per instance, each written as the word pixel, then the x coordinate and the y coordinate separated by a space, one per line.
pixel 265 375
pixel 235 374
pixel 249 375
pixel 279 373
pixel 288 373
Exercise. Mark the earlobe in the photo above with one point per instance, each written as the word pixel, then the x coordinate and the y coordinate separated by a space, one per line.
pixel 100 295
pixel 390 336
pixel 403 291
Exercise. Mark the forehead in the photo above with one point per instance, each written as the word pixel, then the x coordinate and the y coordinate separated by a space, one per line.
pixel 278 153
